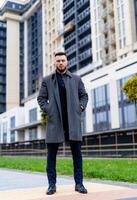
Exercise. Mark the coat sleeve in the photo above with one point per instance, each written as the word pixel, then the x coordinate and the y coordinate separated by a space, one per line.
pixel 43 96
pixel 83 96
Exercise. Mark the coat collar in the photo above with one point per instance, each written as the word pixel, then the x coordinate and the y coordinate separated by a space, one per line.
pixel 68 73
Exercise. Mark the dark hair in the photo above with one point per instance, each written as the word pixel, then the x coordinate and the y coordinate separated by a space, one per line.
pixel 60 54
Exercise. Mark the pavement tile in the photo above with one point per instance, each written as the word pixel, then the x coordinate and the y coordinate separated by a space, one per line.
pixel 18 185
pixel 96 191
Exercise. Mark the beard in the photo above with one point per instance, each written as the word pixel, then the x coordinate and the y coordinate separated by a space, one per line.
pixel 62 70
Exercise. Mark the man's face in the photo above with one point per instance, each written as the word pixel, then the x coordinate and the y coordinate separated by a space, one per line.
pixel 61 63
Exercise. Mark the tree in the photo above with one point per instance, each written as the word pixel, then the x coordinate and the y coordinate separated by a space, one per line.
pixel 130 90
pixel 43 118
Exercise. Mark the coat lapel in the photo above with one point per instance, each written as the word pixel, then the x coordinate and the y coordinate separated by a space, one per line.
pixel 56 92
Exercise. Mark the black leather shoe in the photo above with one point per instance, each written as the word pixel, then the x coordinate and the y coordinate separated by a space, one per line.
pixel 51 189
pixel 81 189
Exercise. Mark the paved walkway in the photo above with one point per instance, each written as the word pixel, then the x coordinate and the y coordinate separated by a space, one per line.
pixel 17 185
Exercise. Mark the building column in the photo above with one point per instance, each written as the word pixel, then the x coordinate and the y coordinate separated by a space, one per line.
pixel 25 59
pixel 44 36
pixel 13 64
pixel 89 115
pixel 114 109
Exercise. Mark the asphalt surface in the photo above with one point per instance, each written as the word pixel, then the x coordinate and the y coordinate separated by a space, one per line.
pixel 12 179
pixel 20 185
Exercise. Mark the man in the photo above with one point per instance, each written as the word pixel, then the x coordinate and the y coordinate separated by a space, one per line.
pixel 62 97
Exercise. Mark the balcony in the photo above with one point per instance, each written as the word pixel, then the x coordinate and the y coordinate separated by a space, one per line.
pixel 105 28
pixel 113 56
pixel 3 43
pixel 84 14
pixel 112 39
pixel 69 13
pixel 84 41
pixel 105 57
pixel 106 43
pixel 110 9
pixel 111 24
pixel 86 54
pixel 103 2
pixel 104 13
pixel 84 28
pixel 73 61
pixel 71 49
pixel 2 52
pixel 2 71
pixel 81 3
pixel 67 3
pixel 69 38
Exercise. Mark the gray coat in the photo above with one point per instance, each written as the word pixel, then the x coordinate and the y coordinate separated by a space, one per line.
pixel 49 102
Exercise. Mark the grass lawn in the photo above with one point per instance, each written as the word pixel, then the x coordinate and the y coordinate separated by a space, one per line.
pixel 107 169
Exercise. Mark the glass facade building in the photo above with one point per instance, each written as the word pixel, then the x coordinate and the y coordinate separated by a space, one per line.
pixel 127 112
pixel 2 67
pixel 4 129
pixel 33 134
pixel 33 115
pixel 35 51
pixel 17 7
pixel 12 125
pixel 101 108
pixel 135 6
pixel 21 62
pixel 77 33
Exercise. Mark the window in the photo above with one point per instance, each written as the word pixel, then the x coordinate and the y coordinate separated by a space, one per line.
pixel 4 132
pixel 13 5
pixel 0 133
pixel 127 110
pixel 101 108
pixel 33 115
pixel 4 137
pixel 135 3
pixel 12 122
pixel 12 136
pixel 32 133
pixel 121 24
pixel 5 127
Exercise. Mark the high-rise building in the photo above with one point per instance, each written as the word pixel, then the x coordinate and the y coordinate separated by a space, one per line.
pixel 100 39
pixel 29 37
pixel 53 25
pixel 110 114
pixel 23 54
pixel 113 29
pixel 2 67
pixel 77 33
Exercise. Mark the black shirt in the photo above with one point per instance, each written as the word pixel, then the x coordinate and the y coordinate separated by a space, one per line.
pixel 63 101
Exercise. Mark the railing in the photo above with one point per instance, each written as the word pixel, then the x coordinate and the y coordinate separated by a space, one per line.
pixel 110 8
pixel 81 3
pixel 38 148
pixel 67 3
pixel 84 14
pixel 104 13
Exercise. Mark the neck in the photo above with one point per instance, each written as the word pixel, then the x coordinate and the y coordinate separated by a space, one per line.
pixel 61 71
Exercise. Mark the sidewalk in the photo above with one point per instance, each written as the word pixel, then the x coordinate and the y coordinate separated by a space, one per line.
pixel 18 185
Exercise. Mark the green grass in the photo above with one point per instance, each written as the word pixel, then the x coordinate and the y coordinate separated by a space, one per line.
pixel 106 169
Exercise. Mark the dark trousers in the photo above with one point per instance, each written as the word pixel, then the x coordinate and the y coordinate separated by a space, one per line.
pixel 77 161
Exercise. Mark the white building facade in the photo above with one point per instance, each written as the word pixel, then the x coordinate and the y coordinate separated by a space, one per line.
pixel 114 61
